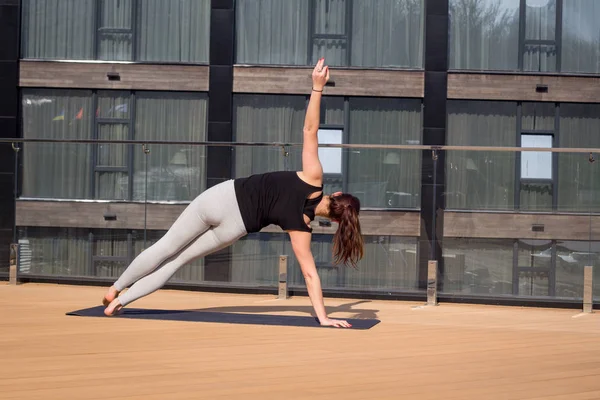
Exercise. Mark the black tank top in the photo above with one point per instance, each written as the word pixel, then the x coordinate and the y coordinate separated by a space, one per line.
pixel 278 198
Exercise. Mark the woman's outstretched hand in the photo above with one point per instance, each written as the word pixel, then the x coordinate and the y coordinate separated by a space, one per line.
pixel 338 323
pixel 320 75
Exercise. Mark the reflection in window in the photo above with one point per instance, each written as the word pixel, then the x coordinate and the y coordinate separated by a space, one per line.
pixel 484 35
pixel 367 33
pixel 116 30
pixel 571 258
pixel 581 36
pixel 578 179
pixel 483 266
pixel 478 179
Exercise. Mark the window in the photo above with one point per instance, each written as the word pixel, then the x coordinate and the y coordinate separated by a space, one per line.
pixel 331 157
pixel 113 171
pixel 536 164
pixel 578 178
pixel 484 35
pixel 482 266
pixel 525 35
pixel 117 30
pixel 481 180
pixel 380 179
pixel 365 33
pixel 89 252
pixel 580 36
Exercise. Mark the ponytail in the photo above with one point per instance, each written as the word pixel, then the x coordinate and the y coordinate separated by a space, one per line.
pixel 348 240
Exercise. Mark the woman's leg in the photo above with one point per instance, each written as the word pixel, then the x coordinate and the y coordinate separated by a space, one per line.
pixel 188 226
pixel 226 227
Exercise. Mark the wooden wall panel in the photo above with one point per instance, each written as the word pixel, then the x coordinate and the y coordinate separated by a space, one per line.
pixel 523 87
pixel 349 82
pixel 161 216
pixel 133 76
pixel 519 226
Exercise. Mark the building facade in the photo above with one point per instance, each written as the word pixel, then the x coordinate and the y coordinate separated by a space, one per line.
pixel 503 226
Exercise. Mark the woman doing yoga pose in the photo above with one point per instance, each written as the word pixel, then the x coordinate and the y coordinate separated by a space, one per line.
pixel 228 211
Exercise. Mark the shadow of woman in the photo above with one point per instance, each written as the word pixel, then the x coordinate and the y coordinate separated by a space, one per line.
pixel 342 308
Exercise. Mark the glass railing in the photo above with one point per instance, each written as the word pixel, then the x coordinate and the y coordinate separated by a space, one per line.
pixel 506 222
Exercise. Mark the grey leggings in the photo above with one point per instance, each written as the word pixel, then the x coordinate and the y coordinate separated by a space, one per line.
pixel 211 222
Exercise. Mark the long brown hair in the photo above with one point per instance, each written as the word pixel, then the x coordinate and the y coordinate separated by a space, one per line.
pixel 348 239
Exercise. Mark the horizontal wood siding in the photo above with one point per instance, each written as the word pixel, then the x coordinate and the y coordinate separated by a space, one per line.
pixel 288 80
pixel 519 226
pixel 133 76
pixel 162 216
pixel 523 87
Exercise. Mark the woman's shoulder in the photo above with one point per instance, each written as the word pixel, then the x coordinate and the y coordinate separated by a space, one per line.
pixel 318 184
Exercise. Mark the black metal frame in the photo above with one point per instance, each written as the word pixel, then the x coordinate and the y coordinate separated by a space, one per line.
pixel 346 37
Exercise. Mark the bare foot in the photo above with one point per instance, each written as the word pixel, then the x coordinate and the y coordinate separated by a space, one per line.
pixel 113 308
pixel 110 296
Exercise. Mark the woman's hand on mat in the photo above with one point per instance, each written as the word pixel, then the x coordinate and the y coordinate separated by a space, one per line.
pixel 335 322
pixel 320 75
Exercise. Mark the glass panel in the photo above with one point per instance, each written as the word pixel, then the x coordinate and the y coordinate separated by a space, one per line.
pixel 483 266
pixel 56 170
pixel 533 283
pixel 331 157
pixel 477 179
pixel 330 17
pixel 538 116
pixel 540 19
pixel 484 35
pixel 539 58
pixel 580 51
pixel 536 196
pixel 110 243
pixel 115 14
pixel 174 30
pixel 115 46
pixel 255 258
pixel 578 178
pixel 383 177
pixel 571 258
pixel 58 29
pixel 536 164
pixel 267 118
pixel 333 50
pixel 112 186
pixel 535 253
pixel 175 172
pixel 109 154
pixel 113 105
pixel 54 251
pixel 272 31
pixel 387 33
pixel 332 110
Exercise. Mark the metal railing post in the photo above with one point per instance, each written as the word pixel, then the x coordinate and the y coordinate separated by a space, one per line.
pixel 588 293
pixel 283 281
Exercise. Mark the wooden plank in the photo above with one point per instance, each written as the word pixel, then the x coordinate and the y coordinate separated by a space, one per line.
pixel 519 225
pixel 133 76
pixel 162 216
pixel 523 87
pixel 348 82
pixel 473 352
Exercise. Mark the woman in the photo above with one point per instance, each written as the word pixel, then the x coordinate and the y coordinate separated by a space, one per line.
pixel 228 211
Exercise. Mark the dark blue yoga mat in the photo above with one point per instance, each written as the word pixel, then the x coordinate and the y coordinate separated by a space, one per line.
pixel 220 317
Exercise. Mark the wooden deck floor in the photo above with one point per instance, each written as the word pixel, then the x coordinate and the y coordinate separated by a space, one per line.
pixel 446 352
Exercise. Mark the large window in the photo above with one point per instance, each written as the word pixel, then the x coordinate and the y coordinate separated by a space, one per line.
pixel 578 178
pixel 379 178
pixel 528 180
pixel 524 267
pixel 117 30
pixel 478 179
pixel 89 252
pixel 390 262
pixel 113 171
pixel 525 35
pixel 362 33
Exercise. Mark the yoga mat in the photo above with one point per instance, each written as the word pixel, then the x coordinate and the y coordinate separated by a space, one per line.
pixel 220 317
